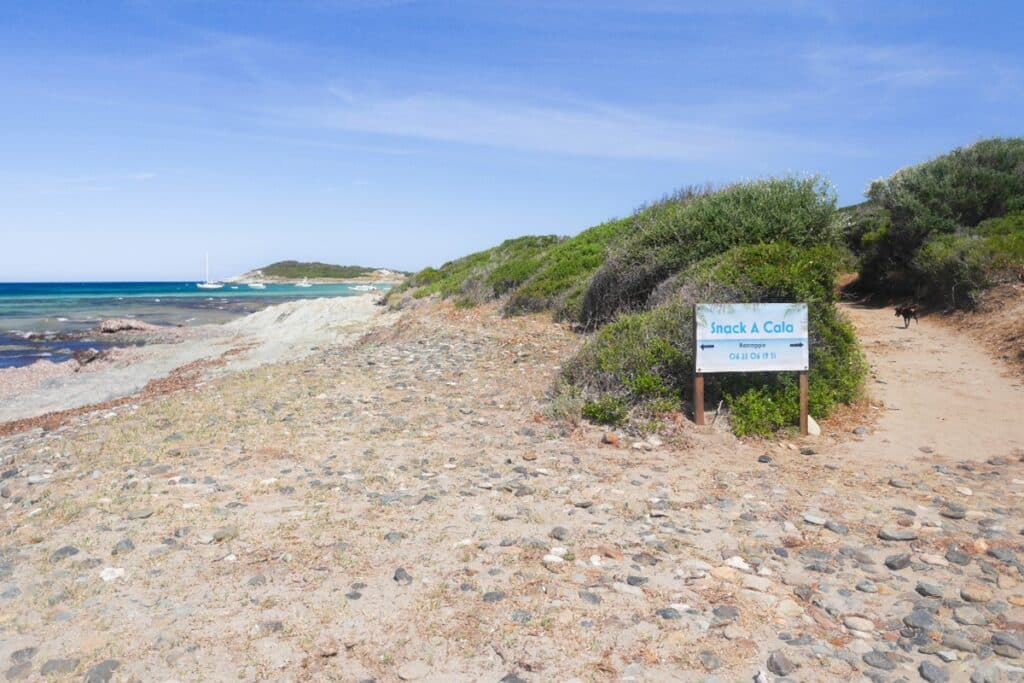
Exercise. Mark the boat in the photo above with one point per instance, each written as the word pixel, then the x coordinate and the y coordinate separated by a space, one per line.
pixel 305 283
pixel 257 285
pixel 207 284
pixel 364 288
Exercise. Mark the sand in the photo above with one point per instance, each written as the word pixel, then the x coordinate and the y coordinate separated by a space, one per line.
pixel 402 507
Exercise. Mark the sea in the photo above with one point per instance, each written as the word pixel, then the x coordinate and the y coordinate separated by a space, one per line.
pixel 51 321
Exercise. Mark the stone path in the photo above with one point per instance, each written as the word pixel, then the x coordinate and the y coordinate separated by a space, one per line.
pixel 405 511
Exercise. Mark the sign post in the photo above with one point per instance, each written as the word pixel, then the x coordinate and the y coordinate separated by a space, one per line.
pixel 750 338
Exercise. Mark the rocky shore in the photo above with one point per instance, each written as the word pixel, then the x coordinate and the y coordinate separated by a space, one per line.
pixel 403 508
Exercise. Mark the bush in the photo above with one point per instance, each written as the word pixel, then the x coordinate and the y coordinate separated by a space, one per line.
pixel 672 235
pixel 606 410
pixel 486 274
pixel 647 357
pixel 559 281
pixel 948 195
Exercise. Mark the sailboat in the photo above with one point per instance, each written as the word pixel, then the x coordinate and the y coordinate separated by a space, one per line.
pixel 206 284
pixel 305 283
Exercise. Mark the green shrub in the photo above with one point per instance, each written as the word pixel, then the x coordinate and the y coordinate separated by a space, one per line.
pixel 607 410
pixel 486 274
pixel 670 236
pixel 947 196
pixel 559 281
pixel 647 357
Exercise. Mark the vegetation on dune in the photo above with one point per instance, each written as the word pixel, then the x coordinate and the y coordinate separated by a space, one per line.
pixel 314 269
pixel 636 281
pixel 699 223
pixel 483 275
pixel 644 360
pixel 945 230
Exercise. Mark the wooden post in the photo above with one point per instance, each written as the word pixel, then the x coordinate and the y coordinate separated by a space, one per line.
pixel 803 403
pixel 698 398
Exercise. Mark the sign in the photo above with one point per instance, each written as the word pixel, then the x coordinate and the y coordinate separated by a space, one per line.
pixel 751 337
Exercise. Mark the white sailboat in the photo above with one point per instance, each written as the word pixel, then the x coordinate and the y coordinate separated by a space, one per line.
pixel 305 283
pixel 207 284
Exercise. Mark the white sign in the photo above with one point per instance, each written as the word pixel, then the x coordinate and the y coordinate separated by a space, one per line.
pixel 751 337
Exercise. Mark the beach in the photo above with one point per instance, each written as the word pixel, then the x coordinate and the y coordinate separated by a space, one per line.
pixel 392 499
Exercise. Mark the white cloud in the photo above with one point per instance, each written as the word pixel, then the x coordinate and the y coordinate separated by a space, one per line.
pixel 579 129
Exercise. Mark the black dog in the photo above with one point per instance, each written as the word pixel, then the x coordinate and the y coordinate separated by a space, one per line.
pixel 907 312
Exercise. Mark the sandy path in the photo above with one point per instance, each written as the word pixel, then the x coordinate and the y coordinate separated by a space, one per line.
pixel 941 390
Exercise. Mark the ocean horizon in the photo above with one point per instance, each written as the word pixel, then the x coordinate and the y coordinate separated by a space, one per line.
pixel 52 320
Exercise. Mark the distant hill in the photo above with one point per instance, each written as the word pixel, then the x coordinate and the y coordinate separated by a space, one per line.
pixel 295 270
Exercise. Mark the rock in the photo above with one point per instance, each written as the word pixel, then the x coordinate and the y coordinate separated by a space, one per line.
pixel 142 513
pixel 589 597
pixel 816 520
pixel 867 586
pixel 62 552
pixel 709 660
pixel 18 671
pixel 807 450
pixel 861 431
pixel 123 547
pixel 956 556
pixel 413 671
pixel 879 660
pixel 837 528
pixel 57 667
pixel 813 429
pixel 111 573
pixel 491 596
pixel 764 459
pixel 23 655
pixel 976 592
pixel 725 613
pixel 394 536
pixel 900 483
pixel 933 673
pixel 897 534
pixel 779 664
pixel 610 439
pixel 929 590
pixel 402 577
pixel 669 613
pixel 920 619
pixel 859 624
pixel 115 325
pixel 559 533
pixel 953 511
pixel 521 616
pixel 969 616
pixel 102 672
pixel 227 533
pixel 897 562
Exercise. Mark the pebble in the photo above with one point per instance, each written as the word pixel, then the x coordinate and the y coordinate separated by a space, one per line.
pixel 879 660
pixel 920 619
pixel 62 552
pixel 710 660
pixel 402 577
pixel 142 513
pixel 490 596
pixel 897 534
pixel 59 667
pixel 859 624
pixel 929 590
pixel 589 597
pixel 559 533
pixel 969 616
pixel 816 520
pixel 669 613
pixel 123 547
pixel 779 664
pixel 900 483
pixel 933 673
pixel 897 562
pixel 102 672
pixel 226 533
pixel 413 671
pixel 976 592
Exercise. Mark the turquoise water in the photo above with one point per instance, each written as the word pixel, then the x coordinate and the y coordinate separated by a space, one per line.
pixel 50 321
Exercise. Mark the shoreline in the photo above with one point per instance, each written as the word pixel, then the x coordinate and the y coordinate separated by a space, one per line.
pixel 284 331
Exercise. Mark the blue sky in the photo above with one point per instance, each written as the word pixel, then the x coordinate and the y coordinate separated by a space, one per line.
pixel 138 136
